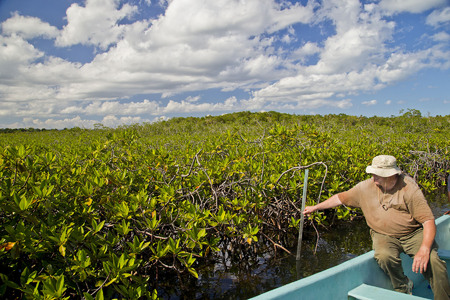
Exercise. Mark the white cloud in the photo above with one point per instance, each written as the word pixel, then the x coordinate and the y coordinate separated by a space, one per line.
pixel 370 102
pixel 402 65
pixel 28 27
pixel 24 81
pixel 310 87
pixel 225 45
pixel 192 99
pixel 113 121
pixel 15 55
pixel 412 6
pixel 95 24
pixel 116 108
pixel 441 37
pixel 306 51
pixel 108 121
pixel 359 39
pixel 196 22
pixel 200 45
pixel 194 45
pixel 439 17
pixel 55 123
pixel 229 105
pixel 350 50
pixel 147 107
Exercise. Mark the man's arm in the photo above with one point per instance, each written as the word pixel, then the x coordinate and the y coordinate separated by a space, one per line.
pixel 331 202
pixel 423 255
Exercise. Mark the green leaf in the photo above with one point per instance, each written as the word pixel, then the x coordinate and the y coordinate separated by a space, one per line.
pixel 26 277
pixel 111 281
pixel 62 250
pixel 88 296
pixel 60 285
pixel 24 203
pixel 193 272
pixel 121 262
pixel 3 288
pixel 201 233
pixel 99 295
pixel 9 283
pixel 100 226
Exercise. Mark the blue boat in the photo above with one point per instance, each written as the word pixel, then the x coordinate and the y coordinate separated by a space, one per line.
pixel 362 278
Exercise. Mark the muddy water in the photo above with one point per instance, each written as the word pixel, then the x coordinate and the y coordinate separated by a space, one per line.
pixel 246 278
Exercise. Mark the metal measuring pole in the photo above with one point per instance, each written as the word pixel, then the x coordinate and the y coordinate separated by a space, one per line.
pixel 302 217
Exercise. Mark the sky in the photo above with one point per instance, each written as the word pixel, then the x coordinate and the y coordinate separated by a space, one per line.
pixel 67 63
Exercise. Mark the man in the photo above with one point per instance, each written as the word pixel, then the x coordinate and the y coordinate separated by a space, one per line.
pixel 400 220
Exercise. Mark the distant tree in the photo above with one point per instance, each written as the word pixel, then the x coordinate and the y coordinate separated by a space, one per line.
pixel 411 113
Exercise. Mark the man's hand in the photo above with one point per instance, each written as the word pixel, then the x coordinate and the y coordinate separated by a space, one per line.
pixel 331 202
pixel 309 209
pixel 421 260
pixel 422 256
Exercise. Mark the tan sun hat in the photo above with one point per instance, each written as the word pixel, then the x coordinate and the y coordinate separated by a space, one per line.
pixel 384 166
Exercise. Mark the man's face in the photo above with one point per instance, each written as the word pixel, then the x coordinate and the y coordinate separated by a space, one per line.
pixel 383 182
pixel 379 181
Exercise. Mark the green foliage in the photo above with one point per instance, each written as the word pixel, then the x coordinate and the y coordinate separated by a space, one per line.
pixel 103 213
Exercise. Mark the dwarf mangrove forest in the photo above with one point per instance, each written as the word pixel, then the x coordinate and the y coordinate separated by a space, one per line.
pixel 126 213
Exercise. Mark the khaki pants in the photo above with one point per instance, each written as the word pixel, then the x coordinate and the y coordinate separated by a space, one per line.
pixel 387 254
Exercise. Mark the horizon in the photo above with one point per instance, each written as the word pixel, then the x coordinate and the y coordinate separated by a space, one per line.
pixel 402 113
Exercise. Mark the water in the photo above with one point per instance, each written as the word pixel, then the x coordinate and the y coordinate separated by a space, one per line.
pixel 245 278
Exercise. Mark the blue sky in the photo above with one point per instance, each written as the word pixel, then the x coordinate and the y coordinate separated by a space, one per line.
pixel 77 63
